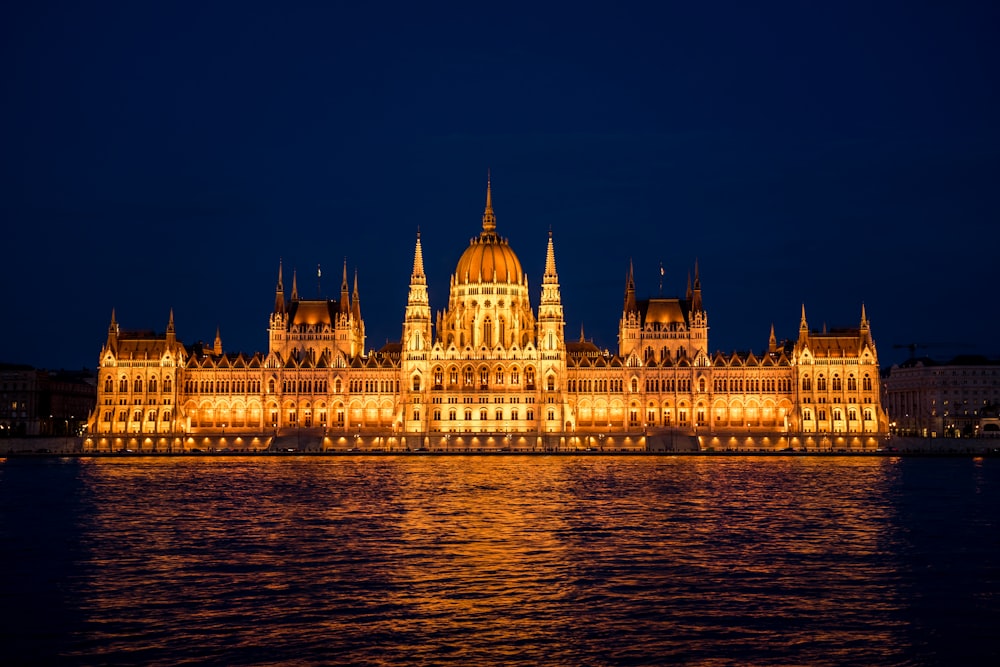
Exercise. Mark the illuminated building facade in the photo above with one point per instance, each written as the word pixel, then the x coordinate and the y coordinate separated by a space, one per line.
pixel 488 366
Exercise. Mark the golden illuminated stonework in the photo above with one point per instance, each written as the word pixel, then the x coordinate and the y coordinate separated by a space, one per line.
pixel 489 371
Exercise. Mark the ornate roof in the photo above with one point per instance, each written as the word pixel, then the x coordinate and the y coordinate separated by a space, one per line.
pixel 489 258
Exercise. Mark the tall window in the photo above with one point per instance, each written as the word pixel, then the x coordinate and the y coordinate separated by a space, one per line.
pixel 488 332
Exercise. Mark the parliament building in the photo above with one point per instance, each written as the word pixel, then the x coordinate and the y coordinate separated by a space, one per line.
pixel 489 371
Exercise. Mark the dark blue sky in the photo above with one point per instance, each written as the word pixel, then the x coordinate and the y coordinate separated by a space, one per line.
pixel 827 153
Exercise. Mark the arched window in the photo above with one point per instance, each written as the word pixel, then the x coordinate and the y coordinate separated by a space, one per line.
pixel 482 414
pixel 108 384
pixel 438 376
pixel 468 376
pixel 514 414
pixel 807 415
pixel 167 384
pixel 701 386
pixel 820 383
pixel 452 414
pixel 468 415
pixel 836 383
pixel 852 383
pixel 867 382
pixel 336 386
pixel 488 332
pixel 270 386
pixel 503 332
pixel 529 377
pixel 499 375
pixel 806 383
pixel 551 383
pixel 484 376
pixel 123 384
pixel 499 414
pixel 152 383
pixel 635 385
pixel 453 375
pixel 416 383
pixel 137 385
pixel 515 377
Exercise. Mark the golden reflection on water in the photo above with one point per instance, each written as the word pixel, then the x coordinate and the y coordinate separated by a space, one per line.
pixel 472 560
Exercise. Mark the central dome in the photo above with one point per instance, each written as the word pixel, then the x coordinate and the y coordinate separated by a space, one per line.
pixel 489 258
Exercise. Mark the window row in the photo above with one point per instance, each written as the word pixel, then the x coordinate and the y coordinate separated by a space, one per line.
pixel 137 384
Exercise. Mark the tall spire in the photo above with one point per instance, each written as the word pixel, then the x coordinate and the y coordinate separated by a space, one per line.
pixel 356 299
pixel 772 342
pixel 295 287
pixel 345 295
pixel 864 318
pixel 217 348
pixel 113 332
pixel 279 293
pixel 803 325
pixel 489 220
pixel 696 304
pixel 550 263
pixel 171 334
pixel 630 306
pixel 418 275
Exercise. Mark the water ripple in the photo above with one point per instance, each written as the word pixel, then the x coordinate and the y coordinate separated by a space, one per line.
pixel 501 560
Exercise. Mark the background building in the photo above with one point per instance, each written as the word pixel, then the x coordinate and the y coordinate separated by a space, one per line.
pixel 955 398
pixel 44 402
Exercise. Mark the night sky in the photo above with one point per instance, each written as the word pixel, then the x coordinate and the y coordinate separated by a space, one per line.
pixel 167 156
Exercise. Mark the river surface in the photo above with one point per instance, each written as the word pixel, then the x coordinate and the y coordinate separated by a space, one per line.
pixel 512 560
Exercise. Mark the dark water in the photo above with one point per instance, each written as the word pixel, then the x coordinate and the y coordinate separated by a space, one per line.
pixel 500 560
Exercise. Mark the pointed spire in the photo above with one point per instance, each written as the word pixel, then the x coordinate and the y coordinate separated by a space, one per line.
pixel 864 318
pixel 630 306
pixel 356 299
pixel 696 304
pixel 803 325
pixel 279 293
pixel 170 323
pixel 772 342
pixel 295 287
pixel 550 262
pixel 689 293
pixel 418 263
pixel 489 220
pixel 582 339
pixel 113 332
pixel 217 348
pixel 345 303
